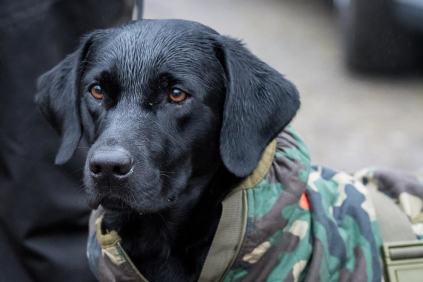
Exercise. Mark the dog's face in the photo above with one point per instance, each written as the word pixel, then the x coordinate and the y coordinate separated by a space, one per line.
pixel 164 104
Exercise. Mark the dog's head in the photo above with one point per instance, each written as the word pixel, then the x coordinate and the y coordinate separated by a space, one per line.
pixel 164 104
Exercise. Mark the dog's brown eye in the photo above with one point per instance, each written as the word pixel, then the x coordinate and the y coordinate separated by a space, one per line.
pixel 176 95
pixel 97 92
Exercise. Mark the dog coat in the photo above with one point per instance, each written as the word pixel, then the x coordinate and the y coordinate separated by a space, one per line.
pixel 287 221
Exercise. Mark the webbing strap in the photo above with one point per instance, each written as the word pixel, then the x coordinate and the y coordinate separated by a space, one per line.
pixel 402 252
pixel 228 237
pixel 115 264
pixel 393 223
pixel 230 231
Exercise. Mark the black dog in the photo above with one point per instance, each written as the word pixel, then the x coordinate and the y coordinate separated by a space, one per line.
pixel 176 116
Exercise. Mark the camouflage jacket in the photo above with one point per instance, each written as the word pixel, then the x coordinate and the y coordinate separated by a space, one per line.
pixel 288 221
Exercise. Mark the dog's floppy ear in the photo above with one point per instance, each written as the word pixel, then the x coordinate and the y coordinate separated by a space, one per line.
pixel 259 103
pixel 58 99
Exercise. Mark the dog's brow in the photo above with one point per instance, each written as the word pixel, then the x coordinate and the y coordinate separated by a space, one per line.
pixel 109 80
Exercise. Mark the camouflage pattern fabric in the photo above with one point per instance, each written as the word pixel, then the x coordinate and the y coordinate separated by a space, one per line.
pixel 307 223
pixel 300 223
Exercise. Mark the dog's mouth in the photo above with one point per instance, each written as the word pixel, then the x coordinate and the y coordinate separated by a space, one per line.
pixel 115 204
pixel 110 203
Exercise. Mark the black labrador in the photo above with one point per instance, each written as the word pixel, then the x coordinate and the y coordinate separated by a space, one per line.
pixel 175 115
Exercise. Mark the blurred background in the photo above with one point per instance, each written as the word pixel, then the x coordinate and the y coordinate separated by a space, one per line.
pixel 356 63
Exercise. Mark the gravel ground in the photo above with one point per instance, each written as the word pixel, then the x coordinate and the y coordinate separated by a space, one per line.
pixel 348 121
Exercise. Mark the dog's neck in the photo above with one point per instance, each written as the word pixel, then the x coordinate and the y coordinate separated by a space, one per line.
pixel 172 245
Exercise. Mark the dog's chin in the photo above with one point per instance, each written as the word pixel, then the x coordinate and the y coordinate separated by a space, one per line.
pixel 110 203
pixel 115 204
pixel 119 205
pixel 136 202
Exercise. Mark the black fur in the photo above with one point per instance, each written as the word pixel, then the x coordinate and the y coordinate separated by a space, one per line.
pixel 187 156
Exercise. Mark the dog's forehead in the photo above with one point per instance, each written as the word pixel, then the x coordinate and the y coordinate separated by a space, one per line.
pixel 148 47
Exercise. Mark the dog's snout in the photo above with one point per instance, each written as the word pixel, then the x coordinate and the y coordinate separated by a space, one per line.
pixel 111 162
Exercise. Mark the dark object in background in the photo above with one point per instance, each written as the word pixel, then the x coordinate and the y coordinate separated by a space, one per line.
pixel 43 215
pixel 382 35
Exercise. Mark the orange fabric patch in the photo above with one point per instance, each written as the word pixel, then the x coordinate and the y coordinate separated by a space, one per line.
pixel 304 202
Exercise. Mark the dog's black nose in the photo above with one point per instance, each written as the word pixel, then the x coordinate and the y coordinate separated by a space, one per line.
pixel 111 162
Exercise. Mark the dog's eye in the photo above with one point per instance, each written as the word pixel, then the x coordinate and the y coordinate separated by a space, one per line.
pixel 176 95
pixel 96 91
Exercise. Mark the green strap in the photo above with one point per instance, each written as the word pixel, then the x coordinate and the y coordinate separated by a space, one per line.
pixel 115 264
pixel 393 223
pixel 402 252
pixel 231 229
pixel 228 238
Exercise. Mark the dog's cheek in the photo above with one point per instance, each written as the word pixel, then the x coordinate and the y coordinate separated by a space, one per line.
pixel 179 184
pixel 87 119
pixel 144 188
pixel 93 115
pixel 91 194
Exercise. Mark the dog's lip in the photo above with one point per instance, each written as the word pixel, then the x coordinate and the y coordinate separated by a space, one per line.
pixel 114 203
pixel 94 202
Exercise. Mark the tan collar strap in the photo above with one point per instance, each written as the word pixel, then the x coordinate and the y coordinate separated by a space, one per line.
pixel 262 167
pixel 231 229
pixel 117 264
pixel 108 239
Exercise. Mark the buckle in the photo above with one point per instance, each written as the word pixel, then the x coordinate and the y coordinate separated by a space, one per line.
pixel 403 261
